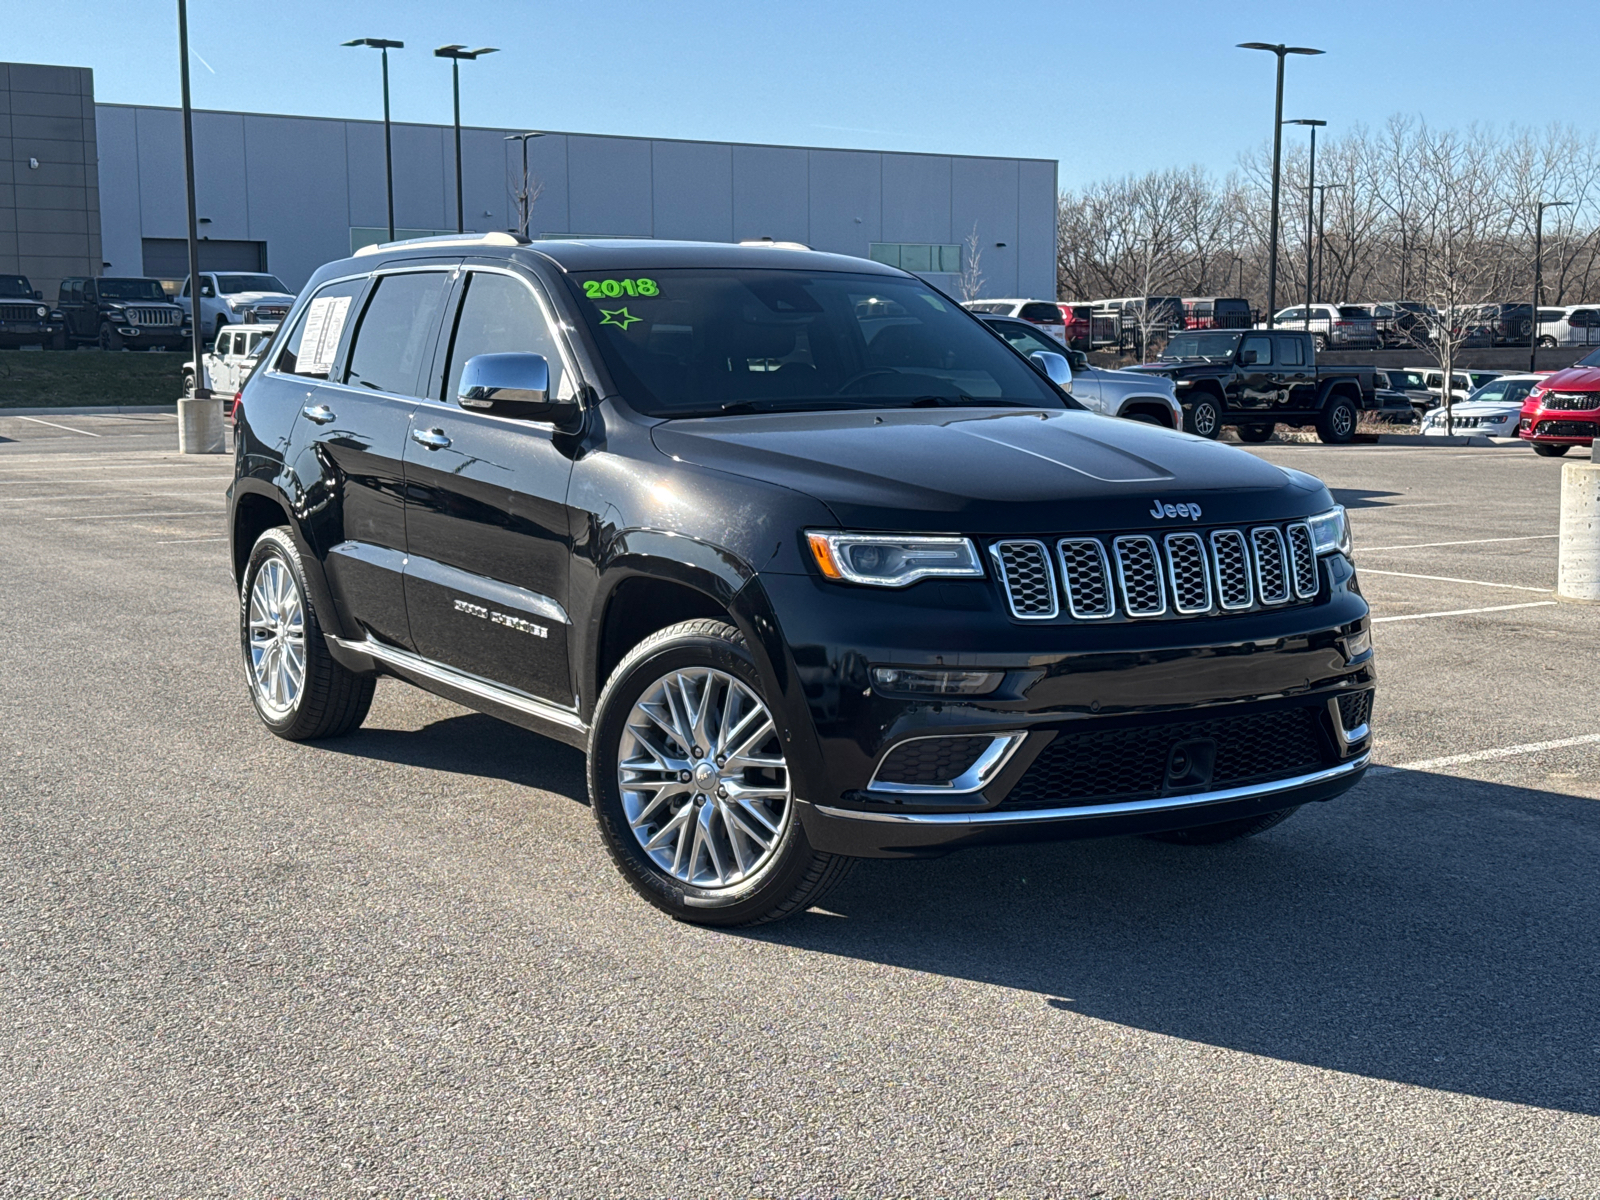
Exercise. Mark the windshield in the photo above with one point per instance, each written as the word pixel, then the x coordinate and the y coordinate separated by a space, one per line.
pixel 130 289
pixel 704 342
pixel 15 285
pixel 1202 345
pixel 232 285
pixel 1503 391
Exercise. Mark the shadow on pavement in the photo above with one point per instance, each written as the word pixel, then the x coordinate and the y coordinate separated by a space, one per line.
pixel 473 744
pixel 1422 929
pixel 1366 497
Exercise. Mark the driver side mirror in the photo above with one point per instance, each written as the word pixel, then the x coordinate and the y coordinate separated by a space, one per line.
pixel 1247 358
pixel 1055 367
pixel 37 294
pixel 206 291
pixel 514 385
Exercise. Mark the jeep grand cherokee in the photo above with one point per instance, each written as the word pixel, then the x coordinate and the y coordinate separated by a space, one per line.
pixel 808 561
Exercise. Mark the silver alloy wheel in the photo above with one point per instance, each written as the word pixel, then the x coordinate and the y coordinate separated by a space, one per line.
pixel 277 638
pixel 1343 419
pixel 1205 418
pixel 704 783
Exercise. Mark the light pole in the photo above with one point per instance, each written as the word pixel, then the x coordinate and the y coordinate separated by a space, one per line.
pixel 202 385
pixel 524 199
pixel 389 162
pixel 1277 154
pixel 1538 277
pixel 1311 195
pixel 388 154
pixel 455 54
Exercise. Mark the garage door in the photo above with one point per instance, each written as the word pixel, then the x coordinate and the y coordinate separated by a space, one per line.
pixel 168 258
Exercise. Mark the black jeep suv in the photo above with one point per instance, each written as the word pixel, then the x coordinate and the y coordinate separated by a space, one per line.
pixel 24 321
pixel 808 561
pixel 122 313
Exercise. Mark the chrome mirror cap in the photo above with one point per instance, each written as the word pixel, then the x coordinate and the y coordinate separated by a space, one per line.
pixel 1055 366
pixel 493 380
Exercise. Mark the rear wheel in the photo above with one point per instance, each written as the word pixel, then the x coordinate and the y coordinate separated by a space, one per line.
pixel 691 788
pixel 298 689
pixel 1225 831
pixel 1256 433
pixel 1203 417
pixel 1547 450
pixel 1547 343
pixel 1336 425
pixel 188 384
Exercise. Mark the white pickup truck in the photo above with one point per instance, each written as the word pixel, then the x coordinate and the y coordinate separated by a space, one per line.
pixel 231 359
pixel 237 298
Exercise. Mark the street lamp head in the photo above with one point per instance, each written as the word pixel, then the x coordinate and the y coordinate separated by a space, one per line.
pixel 375 43
pixel 457 50
pixel 1306 121
pixel 521 137
pixel 1555 204
pixel 1302 50
pixel 1278 48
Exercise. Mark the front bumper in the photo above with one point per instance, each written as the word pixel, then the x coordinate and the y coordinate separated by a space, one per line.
pixel 1073 693
pixel 1560 427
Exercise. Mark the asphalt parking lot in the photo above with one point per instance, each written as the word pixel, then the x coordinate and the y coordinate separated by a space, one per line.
pixel 400 964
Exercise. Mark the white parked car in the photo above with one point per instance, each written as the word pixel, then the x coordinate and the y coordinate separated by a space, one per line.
pixel 1578 325
pixel 1462 384
pixel 1492 410
pixel 1131 394
pixel 231 359
pixel 1044 314
pixel 1333 326
pixel 237 298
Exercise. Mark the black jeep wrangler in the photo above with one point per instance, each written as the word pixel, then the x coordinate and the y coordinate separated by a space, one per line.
pixel 25 320
pixel 117 314
pixel 808 561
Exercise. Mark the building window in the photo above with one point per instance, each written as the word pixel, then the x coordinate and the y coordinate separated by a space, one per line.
pixel 916 256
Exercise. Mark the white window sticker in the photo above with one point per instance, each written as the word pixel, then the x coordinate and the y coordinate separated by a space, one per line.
pixel 324 324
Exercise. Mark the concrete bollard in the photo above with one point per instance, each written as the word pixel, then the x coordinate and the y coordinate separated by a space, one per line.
pixel 1578 569
pixel 201 429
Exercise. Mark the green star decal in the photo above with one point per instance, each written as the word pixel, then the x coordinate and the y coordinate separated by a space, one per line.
pixel 620 317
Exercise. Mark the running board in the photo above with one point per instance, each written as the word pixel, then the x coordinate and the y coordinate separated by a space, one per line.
pixel 482 689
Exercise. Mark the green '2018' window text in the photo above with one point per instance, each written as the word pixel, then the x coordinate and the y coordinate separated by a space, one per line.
pixel 605 289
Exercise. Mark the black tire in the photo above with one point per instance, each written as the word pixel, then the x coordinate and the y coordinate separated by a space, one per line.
pixel 1145 418
pixel 109 338
pixel 792 879
pixel 1256 433
pixel 1203 417
pixel 1319 341
pixel 188 384
pixel 332 700
pixel 1547 343
pixel 1548 450
pixel 1336 423
pixel 1224 831
pixel 58 341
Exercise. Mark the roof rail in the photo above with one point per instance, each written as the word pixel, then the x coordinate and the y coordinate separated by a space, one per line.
pixel 493 238
pixel 766 241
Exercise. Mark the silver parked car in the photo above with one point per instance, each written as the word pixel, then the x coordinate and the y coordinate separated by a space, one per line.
pixel 1147 398
pixel 1333 326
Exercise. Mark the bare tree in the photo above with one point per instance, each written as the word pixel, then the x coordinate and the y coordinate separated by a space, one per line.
pixel 525 188
pixel 971 266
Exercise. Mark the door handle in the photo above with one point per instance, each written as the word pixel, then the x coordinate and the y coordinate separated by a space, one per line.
pixel 433 439
pixel 320 413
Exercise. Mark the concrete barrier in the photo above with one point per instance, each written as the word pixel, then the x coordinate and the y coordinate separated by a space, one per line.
pixel 201 429
pixel 1578 568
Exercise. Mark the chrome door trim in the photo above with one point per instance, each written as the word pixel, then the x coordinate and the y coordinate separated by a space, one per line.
pixel 1125 808
pixel 404 660
pixel 481 587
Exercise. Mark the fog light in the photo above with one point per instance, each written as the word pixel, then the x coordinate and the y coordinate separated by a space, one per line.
pixel 1358 645
pixel 923 681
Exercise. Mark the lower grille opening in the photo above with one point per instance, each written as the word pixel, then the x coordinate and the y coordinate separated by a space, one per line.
pixel 1355 709
pixel 1108 766
pixel 930 761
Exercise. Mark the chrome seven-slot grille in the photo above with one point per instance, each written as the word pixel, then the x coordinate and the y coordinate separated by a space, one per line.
pixel 1571 401
pixel 152 316
pixel 1186 573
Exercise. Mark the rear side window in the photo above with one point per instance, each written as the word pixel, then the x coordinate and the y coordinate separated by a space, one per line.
pixel 501 315
pixel 1291 352
pixel 396 330
pixel 313 343
pixel 1352 313
pixel 1043 314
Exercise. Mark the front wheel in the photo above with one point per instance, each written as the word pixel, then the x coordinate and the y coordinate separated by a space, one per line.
pixel 691 788
pixel 58 340
pixel 1546 450
pixel 1336 425
pixel 1225 831
pixel 1203 418
pixel 188 385
pixel 1547 343
pixel 110 339
pixel 299 690
pixel 1256 433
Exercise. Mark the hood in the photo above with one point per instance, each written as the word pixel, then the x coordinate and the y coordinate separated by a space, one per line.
pixel 1478 408
pixel 992 471
pixel 1573 379
pixel 1133 378
pixel 258 297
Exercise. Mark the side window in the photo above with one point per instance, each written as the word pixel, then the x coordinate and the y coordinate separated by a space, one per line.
pixel 1026 342
pixel 1291 352
pixel 1044 314
pixel 1292 314
pixel 396 331
pixel 1262 347
pixel 313 343
pixel 224 344
pixel 501 315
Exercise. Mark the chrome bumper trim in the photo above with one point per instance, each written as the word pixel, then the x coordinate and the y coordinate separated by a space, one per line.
pixel 1125 808
pixel 404 660
pixel 974 779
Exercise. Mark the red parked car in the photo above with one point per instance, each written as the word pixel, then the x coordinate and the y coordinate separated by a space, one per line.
pixel 1564 410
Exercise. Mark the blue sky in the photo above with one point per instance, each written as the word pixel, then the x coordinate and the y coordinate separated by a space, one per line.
pixel 1104 88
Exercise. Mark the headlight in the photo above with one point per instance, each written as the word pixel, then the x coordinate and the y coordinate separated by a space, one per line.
pixel 891 560
pixel 1330 531
pixel 42 311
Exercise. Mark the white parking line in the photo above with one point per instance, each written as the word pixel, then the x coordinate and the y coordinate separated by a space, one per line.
pixel 1462 612
pixel 1515 587
pixel 53 425
pixel 185 541
pixel 133 516
pixel 1451 760
pixel 1532 537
